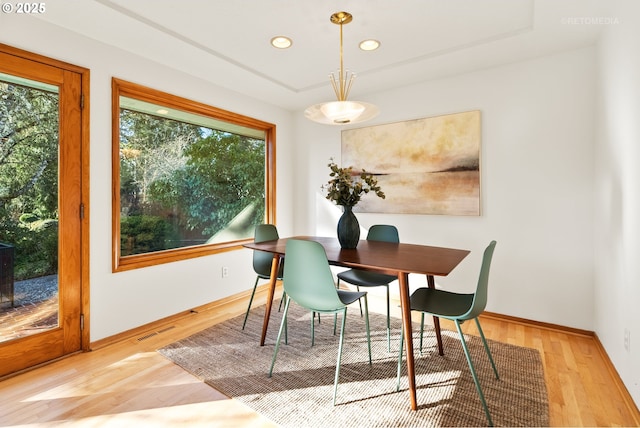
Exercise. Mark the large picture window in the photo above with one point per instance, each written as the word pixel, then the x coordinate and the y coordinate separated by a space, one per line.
pixel 189 179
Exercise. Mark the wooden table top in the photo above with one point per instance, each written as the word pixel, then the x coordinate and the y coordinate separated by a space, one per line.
pixel 384 257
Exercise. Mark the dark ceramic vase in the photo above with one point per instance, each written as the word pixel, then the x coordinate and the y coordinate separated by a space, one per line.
pixel 348 228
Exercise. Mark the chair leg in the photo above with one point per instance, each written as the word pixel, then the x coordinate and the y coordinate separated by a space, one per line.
pixel 282 327
pixel 335 383
pixel 388 322
pixel 246 315
pixel 359 302
pixel 421 329
pixel 284 296
pixel 313 329
pixel 400 358
pixel 486 348
pixel 473 373
pixel 366 323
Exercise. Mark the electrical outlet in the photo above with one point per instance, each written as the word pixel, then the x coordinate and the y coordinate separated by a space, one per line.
pixel 627 340
pixel 225 271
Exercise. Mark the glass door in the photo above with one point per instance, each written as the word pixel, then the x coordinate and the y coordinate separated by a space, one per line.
pixel 40 213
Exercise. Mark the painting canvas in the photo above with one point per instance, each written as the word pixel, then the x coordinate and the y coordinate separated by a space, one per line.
pixel 424 166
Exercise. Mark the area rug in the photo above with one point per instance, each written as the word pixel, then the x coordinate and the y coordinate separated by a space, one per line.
pixel 300 392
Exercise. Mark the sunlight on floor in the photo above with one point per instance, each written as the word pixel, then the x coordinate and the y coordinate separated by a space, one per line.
pixel 209 414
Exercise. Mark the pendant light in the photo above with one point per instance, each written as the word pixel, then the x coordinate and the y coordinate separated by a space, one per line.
pixel 342 111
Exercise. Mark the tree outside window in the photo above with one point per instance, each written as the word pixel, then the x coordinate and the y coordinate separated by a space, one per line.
pixel 192 179
pixel 29 175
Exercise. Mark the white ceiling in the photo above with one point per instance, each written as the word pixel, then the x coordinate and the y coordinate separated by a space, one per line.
pixel 227 41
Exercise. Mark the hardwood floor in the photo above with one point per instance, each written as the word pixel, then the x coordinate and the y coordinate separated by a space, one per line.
pixel 124 382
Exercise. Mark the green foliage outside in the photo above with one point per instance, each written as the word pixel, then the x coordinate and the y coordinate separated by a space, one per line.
pixel 28 178
pixel 181 183
pixel 144 234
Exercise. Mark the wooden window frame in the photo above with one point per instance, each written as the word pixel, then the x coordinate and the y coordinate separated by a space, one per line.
pixel 132 90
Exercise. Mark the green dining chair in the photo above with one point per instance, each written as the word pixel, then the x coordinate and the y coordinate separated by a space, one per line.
pixel 308 281
pixel 457 308
pixel 361 278
pixel 262 261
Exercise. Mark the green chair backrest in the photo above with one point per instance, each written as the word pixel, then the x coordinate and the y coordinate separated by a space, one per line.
pixel 262 259
pixel 480 297
pixel 307 277
pixel 383 232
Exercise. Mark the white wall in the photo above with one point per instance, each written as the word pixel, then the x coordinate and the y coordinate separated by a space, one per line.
pixel 125 300
pixel 537 183
pixel 617 184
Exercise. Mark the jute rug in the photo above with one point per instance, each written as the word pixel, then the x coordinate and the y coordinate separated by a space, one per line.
pixel 300 392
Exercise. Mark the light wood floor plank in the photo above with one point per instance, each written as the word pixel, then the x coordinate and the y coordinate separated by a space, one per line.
pixel 126 383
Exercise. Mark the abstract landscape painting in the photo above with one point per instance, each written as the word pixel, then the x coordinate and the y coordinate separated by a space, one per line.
pixel 424 166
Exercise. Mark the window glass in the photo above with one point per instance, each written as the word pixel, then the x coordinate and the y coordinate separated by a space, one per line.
pixel 187 178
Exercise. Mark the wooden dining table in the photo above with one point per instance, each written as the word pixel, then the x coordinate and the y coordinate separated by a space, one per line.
pixel 383 257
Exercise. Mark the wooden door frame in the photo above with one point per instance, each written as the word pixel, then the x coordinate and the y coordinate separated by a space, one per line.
pixel 84 186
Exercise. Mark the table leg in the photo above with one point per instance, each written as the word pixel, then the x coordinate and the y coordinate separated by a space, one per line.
pixel 436 321
pixel 275 266
pixel 405 304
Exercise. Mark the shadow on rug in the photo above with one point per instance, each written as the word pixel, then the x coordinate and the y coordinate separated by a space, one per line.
pixel 300 392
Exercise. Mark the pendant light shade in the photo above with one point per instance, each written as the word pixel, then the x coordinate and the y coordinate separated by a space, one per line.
pixel 342 111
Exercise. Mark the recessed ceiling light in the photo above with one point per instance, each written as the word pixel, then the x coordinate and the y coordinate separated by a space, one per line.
pixel 162 111
pixel 369 45
pixel 281 42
